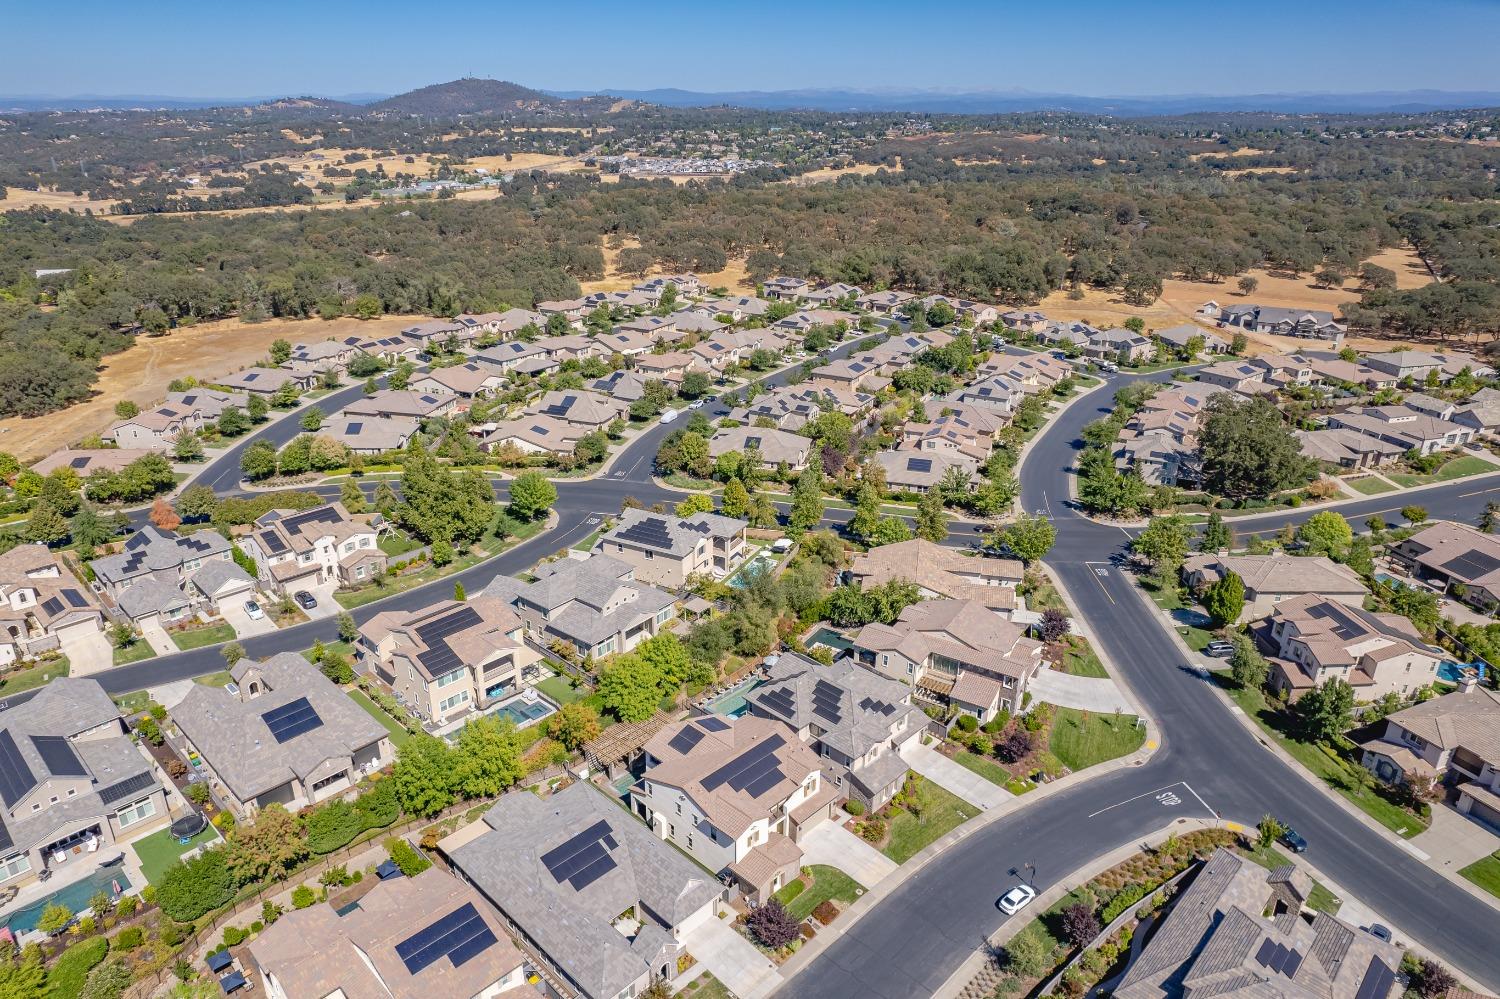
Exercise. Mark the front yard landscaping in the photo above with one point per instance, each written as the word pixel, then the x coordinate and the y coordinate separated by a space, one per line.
pixel 208 634
pixel 1320 898
pixel 1079 658
pixel 1081 739
pixel 488 547
pixel 1370 485
pixel 1485 873
pixel 31 677
pixel 1457 468
pixel 161 850
pixel 134 652
pixel 932 813
pixel 818 884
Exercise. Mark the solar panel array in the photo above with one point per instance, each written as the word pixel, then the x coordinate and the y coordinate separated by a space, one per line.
pixel 1277 958
pixel 561 408
pixel 353 429
pixel 273 542
pixel 52 605
pixel 713 723
pixel 322 515
pixel 780 701
pixel 919 464
pixel 684 741
pixel 1344 625
pixel 79 462
pixel 58 756
pixel 1471 565
pixel 16 778
pixel 125 788
pixel 440 657
pixel 74 598
pixel 6 839
pixel 872 705
pixel 754 771
pixel 1377 981
pixel 649 531
pixel 291 720
pixel 828 702
pixel 459 936
pixel 583 859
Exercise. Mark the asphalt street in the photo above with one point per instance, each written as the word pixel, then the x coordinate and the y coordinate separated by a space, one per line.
pixel 916 938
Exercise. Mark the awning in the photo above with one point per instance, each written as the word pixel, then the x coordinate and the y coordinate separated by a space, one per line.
pixel 232 983
pixel 937 684
pixel 219 960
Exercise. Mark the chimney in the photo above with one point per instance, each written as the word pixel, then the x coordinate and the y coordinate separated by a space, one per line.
pixel 1468 680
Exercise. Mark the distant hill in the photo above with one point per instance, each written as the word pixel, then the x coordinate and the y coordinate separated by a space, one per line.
pixel 466 96
pixel 311 105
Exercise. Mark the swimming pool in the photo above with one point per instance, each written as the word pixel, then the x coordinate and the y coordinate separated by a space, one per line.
pixel 75 896
pixel 764 561
pixel 1452 672
pixel 522 711
pixel 731 703
pixel 830 638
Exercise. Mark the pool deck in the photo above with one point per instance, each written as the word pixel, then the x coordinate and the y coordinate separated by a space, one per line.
pixel 444 731
pixel 75 870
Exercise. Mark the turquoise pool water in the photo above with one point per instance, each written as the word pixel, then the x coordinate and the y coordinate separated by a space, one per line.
pixel 751 570
pixel 1452 672
pixel 75 896
pixel 830 638
pixel 522 712
pixel 731 703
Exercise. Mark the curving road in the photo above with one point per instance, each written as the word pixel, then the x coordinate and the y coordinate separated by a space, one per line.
pixel 911 942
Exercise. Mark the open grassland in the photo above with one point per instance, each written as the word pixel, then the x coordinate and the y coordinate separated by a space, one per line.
pixel 15 199
pixel 142 373
pixel 834 173
pixel 733 276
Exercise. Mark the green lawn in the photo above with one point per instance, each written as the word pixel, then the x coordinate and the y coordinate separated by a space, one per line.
pixel 1370 485
pixel 1041 595
pixel 133 703
pixel 801 898
pixel 1082 738
pixel 942 812
pixel 560 691
pixel 1337 773
pixel 706 986
pixel 342 647
pixel 399 735
pixel 587 544
pixel 1458 468
pixel 1485 873
pixel 197 638
pixel 398 543
pixel 983 766
pixel 160 850
pixel 1320 898
pixel 134 652
pixel 219 679
pixel 1170 598
pixel 489 547
pixel 1081 660
pixel 34 676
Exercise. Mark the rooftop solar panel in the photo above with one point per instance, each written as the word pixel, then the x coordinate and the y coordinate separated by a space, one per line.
pixel 1377 981
pixel 1471 565
pixel 1291 964
pixel 74 598
pixel 746 767
pixel 58 756
pixel 649 531
pixel 459 936
pixel 272 541
pixel 583 858
pixel 919 464
pixel 684 741
pixel 440 657
pixel 354 428
pixel 712 723
pixel 79 463
pixel 6 840
pixel 16 778
pixel 320 515
pixel 123 789
pixel 291 720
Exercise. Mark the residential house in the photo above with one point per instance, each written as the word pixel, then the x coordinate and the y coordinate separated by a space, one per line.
pixel 155 429
pixel 914 471
pixel 467 381
pixel 1236 376
pixel 1404 427
pixel 1480 417
pixel 624 385
pixel 44 608
pixel 999 394
pixel 942 572
pixel 737 307
pixel 406 938
pixel 785 289
pixel 736 795
pixel 884 303
pixel 669 367
pixel 593 892
pixel 954 653
pixel 594 604
pixel 171 577
pixel 371 435
pixel 715 354
pixel 449 658
pixel 1403 364
pixel 1176 339
pixel 437 335
pixel 1238 931
pixel 1440 409
pixel 668 551
pixel 694 321
pixel 1455 737
pixel 832 294
pixel 573 310
pixel 628 343
pixel 508 356
pixel 851 374
pixel 75 783
pixel 1033 372
pixel 791 407
pixel 799 323
pixel 1024 320
pixel 1075 333
pixel 1284 370
pixel 391 349
pixel 266 381
pixel 86 461
pixel 855 721
pixel 660 329
pixel 533 435
pixel 391 404
pixel 573 347
pixel 1455 361
pixel 977 313
pixel 688 285
pixel 967 432
pixel 1457 557
pixel 1347 448
pixel 1270 579
pixel 1159 460
pixel 580 408
pixel 324 355
pixel 1337 371
pixel 1311 324
pixel 1318 639
pixel 324 546
pixel 285 735
pixel 208 403
pixel 774 448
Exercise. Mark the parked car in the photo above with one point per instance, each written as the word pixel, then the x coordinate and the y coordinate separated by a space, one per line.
pixel 253 610
pixel 1292 840
pixel 1016 899
pixel 782 545
pixel 305 600
pixel 696 404
pixel 1379 932
pixel 669 416
pixel 1219 650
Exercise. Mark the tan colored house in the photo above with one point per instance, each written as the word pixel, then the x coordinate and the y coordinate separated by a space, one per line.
pixel 736 795
pixel 954 652
pixel 467 381
pixel 286 735
pixel 156 429
pixel 775 447
pixel 266 381
pixel 920 471
pixel 1455 555
pixel 449 658
pixel 943 572
pixel 668 551
pixel 44 608
pixel 297 549
pixel 373 951
pixel 1318 639
pixel 1270 579
pixel 533 435
pixel 581 408
pixel 85 461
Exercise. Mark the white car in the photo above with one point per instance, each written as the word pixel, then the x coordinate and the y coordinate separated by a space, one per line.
pixel 253 611
pixel 696 404
pixel 1016 899
pixel 668 416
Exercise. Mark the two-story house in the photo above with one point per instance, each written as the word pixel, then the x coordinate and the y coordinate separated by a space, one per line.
pixel 857 722
pixel 736 795
pixel 772 448
pixel 42 608
pixel 450 657
pixel 785 289
pixel 1318 639
pixel 668 551
pixel 1462 560
pixel 155 429
pixel 171 576
pixel 324 546
pixel 74 782
pixel 1271 579
pixel 285 735
pixel 939 571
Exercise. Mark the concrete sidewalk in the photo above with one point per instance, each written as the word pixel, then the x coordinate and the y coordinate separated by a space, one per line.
pixel 955 777
pixel 1087 693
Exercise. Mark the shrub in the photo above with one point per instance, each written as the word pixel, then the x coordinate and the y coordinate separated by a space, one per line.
pixel 197 793
pixel 171 933
pixel 71 970
pixel 303 897
pixel 127 905
pixel 967 723
pixel 854 807
pixel 129 938
pixel 1080 925
pixel 233 936
pixel 1028 955
pixel 108 981
pixel 406 857
pixel 826 912
pixel 256 927
pixel 1123 899
pixel 872 830
pixel 378 806
pixel 1014 747
pixel 771 925
pixel 1432 979
pixel 332 826
pixel 224 821
pixel 200 885
pixel 54 918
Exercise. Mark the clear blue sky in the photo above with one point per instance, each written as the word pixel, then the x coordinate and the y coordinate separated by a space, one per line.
pixel 1090 47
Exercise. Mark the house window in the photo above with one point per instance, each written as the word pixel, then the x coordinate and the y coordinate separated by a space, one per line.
pixel 143 809
pixel 359 572
pixel 448 679
pixel 461 697
pixel 14 866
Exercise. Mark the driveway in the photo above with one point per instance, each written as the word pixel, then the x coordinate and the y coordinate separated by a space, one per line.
pixel 233 610
pixel 951 776
pixel 830 843
pixel 1087 693
pixel 327 606
pixel 156 636
pixel 88 654
pixel 733 960
pixel 1454 840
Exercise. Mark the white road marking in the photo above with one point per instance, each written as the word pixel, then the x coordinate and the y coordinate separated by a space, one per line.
pixel 1165 796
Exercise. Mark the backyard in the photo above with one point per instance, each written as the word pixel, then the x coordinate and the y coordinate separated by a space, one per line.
pixel 561 691
pixel 399 735
pixel 161 850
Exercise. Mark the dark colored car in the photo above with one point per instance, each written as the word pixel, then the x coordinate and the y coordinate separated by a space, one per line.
pixel 305 600
pixel 1379 932
pixel 1292 840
